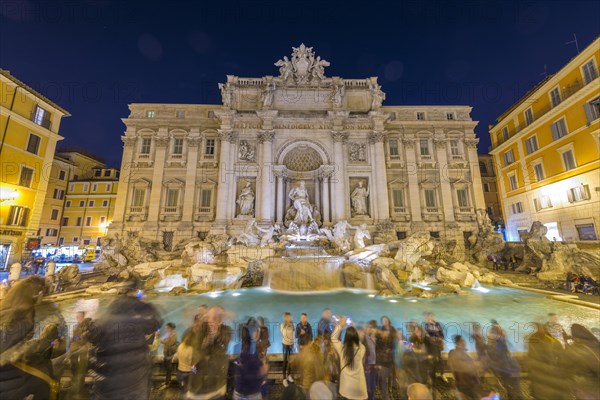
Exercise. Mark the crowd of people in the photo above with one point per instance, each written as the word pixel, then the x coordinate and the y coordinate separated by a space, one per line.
pixel 338 358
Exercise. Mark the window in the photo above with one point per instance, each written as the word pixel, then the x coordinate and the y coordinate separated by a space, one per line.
pixel 33 145
pixel 26 178
pixel 178 146
pixel 180 114
pixel 483 168
pixel 107 172
pixel 450 116
pixel 86 186
pixel 420 116
pixel 205 197
pixel 209 148
pixel 149 114
pixel 455 147
pixel 568 160
pixel 51 232
pixel 78 221
pixel 398 200
pixel 108 187
pixel 505 134
pixel 509 158
pixel 172 197
pixel 555 97
pixel 463 197
pixel 542 203
pixel 538 170
pixel 430 200
pixel 528 116
pixel 592 110
pixel 424 147
pixel 486 187
pixel 65 221
pixel 91 203
pixel 94 187
pixel 61 241
pixel 58 194
pixel 531 144
pixel 17 216
pixel 393 146
pixel 41 117
pixel 102 220
pixel 98 172
pixel 104 203
pixel 139 197
pixel 517 208
pixel 579 193
pixel 54 214
pixel 513 182
pixel 81 203
pixel 145 147
pixel 88 221
pixel 75 239
pixel 62 175
pixel 589 71
pixel 68 203
pixel 72 187
pixel 586 232
pixel 559 129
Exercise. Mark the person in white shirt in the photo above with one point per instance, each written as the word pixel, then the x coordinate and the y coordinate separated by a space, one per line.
pixel 288 338
pixel 353 384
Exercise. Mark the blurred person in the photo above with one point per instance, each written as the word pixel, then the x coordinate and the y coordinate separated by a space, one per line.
pixel 253 335
pixel 170 345
pixel 288 339
pixel 543 356
pixel 416 362
pixel 402 346
pixel 304 332
pixel 310 365
pixel 464 370
pixel 418 391
pixel 502 363
pixel 369 341
pixel 351 353
pixel 384 347
pixel 556 330
pixel 434 345
pixel 263 344
pixel 324 327
pixel 122 366
pixel 211 362
pixel 79 353
pixel 185 356
pixel 292 391
pixel 580 364
pixel 202 310
pixel 250 371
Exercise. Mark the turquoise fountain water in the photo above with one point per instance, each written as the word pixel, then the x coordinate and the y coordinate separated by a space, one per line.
pixel 514 309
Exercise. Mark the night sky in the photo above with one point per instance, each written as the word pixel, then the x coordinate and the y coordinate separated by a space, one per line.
pixel 95 57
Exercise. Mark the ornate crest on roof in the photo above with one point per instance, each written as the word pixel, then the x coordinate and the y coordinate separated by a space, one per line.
pixel 303 68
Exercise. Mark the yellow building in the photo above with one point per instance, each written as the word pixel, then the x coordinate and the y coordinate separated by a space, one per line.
pixel 67 165
pixel 88 210
pixel 546 153
pixel 29 125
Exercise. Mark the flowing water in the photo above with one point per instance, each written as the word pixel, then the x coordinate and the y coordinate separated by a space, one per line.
pixel 514 309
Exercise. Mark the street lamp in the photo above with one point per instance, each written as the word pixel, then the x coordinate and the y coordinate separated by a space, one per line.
pixel 8 194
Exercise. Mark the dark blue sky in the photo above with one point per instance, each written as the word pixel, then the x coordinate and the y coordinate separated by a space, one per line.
pixel 95 57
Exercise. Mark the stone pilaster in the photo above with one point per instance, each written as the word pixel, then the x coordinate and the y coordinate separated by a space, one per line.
pixel 160 150
pixel 267 201
pixel 381 197
pixel 445 187
pixel 226 137
pixel 414 192
pixel 128 169
pixel 193 142
pixel 338 177
pixel 477 186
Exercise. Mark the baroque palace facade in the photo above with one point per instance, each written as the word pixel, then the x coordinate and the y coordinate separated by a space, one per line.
pixel 189 170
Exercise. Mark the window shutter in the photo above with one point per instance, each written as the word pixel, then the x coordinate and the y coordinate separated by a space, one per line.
pixel 586 192
pixel 570 196
pixel 589 112
pixel 536 203
pixel 25 216
pixel 554 129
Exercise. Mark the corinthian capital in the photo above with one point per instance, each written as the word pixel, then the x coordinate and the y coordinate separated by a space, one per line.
pixel 439 143
pixel 409 143
pixel 377 136
pixel 161 141
pixel 194 141
pixel 339 136
pixel 128 140
pixel 266 136
pixel 227 135
pixel 471 143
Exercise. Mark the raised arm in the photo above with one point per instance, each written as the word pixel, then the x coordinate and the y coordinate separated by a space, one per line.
pixel 335 339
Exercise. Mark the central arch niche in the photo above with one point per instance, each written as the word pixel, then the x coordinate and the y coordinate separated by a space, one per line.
pixel 302 158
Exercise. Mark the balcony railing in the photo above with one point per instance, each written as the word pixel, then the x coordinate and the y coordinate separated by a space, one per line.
pixel 143 156
pixel 170 210
pixel 137 210
pixel 426 157
pixel 431 210
pixel 464 210
pixel 204 210
pixel 400 210
pixel 566 92
pixel 176 156
pixel 456 157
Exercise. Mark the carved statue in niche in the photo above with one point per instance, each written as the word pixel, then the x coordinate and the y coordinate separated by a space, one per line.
pixel 359 199
pixel 358 152
pixel 245 200
pixel 225 94
pixel 378 96
pixel 268 95
pixel 337 97
pixel 247 152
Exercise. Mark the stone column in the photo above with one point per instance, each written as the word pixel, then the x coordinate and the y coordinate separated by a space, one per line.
pixel 267 204
pixel 317 182
pixel 338 177
pixel 413 195
pixel 225 180
pixel 325 202
pixel 445 186
pixel 189 193
pixel 381 194
pixel 160 149
pixel 128 169
pixel 477 186
pixel 280 194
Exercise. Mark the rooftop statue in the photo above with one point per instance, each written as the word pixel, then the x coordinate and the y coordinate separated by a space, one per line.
pixel 303 68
